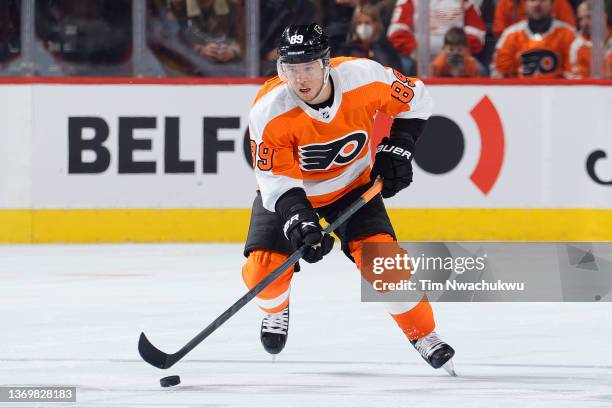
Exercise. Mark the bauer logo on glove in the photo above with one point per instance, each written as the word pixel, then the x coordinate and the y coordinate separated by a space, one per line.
pixel 395 150
pixel 301 225
pixel 393 162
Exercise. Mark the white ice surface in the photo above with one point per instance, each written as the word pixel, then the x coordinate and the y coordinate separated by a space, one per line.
pixel 71 315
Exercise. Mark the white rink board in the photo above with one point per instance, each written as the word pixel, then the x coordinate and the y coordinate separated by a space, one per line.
pixel 15 152
pixel 549 131
pixel 55 188
pixel 547 142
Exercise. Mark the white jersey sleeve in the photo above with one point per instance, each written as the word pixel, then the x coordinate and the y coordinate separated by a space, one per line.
pixel 276 170
pixel 406 97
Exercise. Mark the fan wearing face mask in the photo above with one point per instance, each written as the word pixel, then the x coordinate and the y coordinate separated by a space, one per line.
pixel 366 39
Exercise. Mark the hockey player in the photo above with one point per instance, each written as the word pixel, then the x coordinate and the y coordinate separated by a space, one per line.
pixel 310 129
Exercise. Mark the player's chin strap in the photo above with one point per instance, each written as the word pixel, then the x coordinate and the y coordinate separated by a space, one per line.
pixel 326 67
pixel 280 71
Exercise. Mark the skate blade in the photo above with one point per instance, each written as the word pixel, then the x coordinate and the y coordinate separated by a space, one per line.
pixel 273 357
pixel 449 367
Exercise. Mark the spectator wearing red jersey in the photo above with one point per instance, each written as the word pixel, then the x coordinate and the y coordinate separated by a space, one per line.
pixel 580 50
pixel 536 47
pixel 443 15
pixel 509 12
pixel 455 60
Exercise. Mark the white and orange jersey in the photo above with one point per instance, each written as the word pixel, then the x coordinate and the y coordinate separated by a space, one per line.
pixel 580 57
pixel 520 52
pixel 327 152
pixel 508 12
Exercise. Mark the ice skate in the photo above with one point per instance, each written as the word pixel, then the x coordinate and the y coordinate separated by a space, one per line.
pixel 435 351
pixel 274 330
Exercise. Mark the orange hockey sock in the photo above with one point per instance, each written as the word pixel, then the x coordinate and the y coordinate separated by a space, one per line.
pixel 259 264
pixel 414 319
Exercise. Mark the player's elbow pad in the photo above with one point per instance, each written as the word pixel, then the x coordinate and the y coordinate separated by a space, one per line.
pixel 408 129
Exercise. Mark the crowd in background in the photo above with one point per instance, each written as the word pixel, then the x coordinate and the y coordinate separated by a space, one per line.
pixel 468 38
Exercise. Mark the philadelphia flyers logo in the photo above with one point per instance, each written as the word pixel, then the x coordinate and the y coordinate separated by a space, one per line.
pixel 543 61
pixel 340 152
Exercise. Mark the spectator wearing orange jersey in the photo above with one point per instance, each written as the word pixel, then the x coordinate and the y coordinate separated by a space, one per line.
pixel 536 47
pixel 509 12
pixel 443 15
pixel 455 60
pixel 580 50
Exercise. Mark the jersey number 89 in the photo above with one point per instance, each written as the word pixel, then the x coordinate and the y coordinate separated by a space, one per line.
pixel 402 88
pixel 265 156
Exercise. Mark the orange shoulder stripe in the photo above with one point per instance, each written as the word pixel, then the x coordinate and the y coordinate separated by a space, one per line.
pixel 334 62
pixel 267 87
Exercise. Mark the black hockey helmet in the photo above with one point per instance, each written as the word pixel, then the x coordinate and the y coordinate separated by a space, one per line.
pixel 303 43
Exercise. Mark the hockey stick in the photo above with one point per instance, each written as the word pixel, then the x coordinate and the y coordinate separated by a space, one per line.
pixel 159 359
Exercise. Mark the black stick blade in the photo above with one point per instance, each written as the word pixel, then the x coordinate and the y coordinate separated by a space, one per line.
pixel 152 354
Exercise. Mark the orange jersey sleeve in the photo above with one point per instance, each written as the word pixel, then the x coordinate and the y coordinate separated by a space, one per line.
pixel 563 11
pixel 506 59
pixel 440 67
pixel 580 58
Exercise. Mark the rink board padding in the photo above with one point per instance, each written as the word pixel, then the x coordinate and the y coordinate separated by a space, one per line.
pixel 154 160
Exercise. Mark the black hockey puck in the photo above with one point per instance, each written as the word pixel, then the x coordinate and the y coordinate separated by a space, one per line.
pixel 170 381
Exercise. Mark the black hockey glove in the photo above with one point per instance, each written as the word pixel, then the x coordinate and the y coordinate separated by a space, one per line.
pixel 301 225
pixel 393 162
